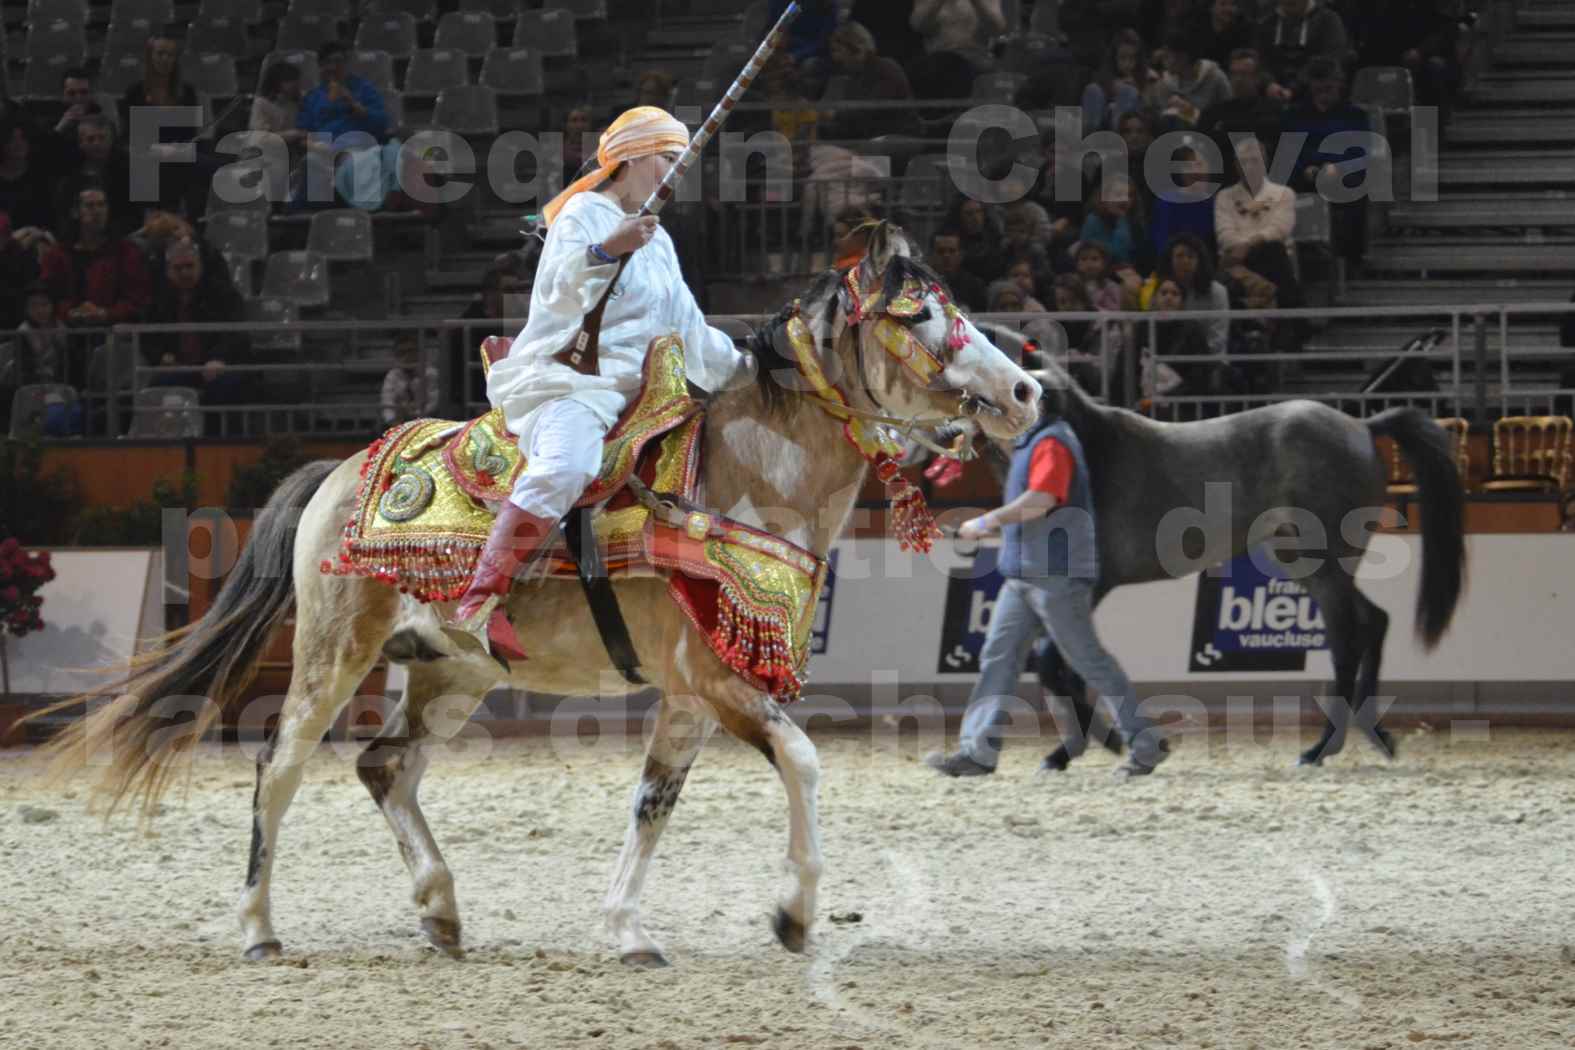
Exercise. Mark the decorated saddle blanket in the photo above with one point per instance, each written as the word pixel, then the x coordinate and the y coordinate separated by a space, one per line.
pixel 429 489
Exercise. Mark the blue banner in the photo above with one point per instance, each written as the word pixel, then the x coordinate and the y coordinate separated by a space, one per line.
pixel 1247 619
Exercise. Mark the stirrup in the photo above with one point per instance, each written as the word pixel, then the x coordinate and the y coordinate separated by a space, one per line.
pixel 492 630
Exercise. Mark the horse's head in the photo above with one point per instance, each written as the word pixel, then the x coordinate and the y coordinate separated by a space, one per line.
pixel 913 353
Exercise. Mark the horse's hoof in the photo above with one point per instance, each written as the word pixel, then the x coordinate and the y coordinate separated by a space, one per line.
pixel 1385 744
pixel 443 934
pixel 1113 743
pixel 1056 761
pixel 1309 761
pixel 645 960
pixel 790 932
pixel 264 951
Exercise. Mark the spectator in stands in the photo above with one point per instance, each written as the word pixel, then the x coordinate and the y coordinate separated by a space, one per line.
pixel 1191 84
pixel 21 256
pixel 1122 85
pixel 1164 19
pixel 76 96
pixel 182 185
pixel 1029 232
pixel 1109 222
pixel 189 291
pixel 982 233
pixel 502 296
pixel 864 77
pixel 409 391
pixel 347 125
pixel 25 181
pixel 890 22
pixel 793 115
pixel 809 37
pixel 39 348
pixel 655 88
pixel 1189 208
pixel 1248 111
pixel 1254 219
pixel 1421 35
pixel 1088 25
pixel 1162 339
pixel 1084 357
pixel 96 279
pixel 1188 262
pixel 1230 29
pixel 161 85
pixel 276 108
pixel 961 27
pixel 946 255
pixel 1296 32
pixel 1096 272
pixel 98 161
pixel 1320 113
pixel 577 126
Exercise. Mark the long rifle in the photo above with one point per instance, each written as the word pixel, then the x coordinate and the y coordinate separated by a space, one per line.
pixel 581 353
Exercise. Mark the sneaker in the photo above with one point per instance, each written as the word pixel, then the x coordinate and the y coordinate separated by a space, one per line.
pixel 956 765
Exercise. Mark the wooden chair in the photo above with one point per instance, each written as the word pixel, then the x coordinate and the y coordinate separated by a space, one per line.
pixel 1402 482
pixel 1531 454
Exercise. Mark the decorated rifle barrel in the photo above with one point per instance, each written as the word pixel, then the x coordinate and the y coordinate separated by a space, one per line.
pixel 663 193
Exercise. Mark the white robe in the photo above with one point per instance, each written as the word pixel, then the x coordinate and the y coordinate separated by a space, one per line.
pixel 651 300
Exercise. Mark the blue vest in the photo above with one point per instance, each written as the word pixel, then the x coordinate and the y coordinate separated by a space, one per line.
pixel 1062 543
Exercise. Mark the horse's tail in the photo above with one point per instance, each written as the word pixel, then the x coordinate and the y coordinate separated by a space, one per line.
pixel 1427 446
pixel 169 698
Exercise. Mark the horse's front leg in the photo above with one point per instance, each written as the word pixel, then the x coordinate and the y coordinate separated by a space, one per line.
pixel 761 722
pixel 678 736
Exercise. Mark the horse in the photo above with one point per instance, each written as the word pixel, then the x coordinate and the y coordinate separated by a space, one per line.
pixel 1284 466
pixel 772 459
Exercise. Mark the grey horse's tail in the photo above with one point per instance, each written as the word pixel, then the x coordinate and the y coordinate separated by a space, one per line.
pixel 167 699
pixel 1427 447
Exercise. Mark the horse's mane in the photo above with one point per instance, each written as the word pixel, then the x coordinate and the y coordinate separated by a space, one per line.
pixel 822 291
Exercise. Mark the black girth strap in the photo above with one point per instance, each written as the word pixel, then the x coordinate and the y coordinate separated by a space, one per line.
pixel 599 594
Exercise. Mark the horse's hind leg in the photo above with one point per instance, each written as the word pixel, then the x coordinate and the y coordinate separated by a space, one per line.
pixel 760 722
pixel 677 738
pixel 1374 626
pixel 1336 597
pixel 439 699
pixel 338 634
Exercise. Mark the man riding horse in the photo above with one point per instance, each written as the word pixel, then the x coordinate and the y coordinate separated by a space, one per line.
pixel 560 398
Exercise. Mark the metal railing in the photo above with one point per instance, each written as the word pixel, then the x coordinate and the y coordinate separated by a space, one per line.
pixel 323 378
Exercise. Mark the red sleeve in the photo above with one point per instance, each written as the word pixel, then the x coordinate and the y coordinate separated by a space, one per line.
pixel 1050 469
pixel 56 274
pixel 136 286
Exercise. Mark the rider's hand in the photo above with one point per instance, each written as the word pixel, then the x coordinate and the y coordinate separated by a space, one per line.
pixel 631 235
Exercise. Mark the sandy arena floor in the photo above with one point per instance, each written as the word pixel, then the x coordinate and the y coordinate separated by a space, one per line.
pixel 1228 902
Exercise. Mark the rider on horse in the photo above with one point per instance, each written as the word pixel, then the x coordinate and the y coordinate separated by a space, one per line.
pixel 560 413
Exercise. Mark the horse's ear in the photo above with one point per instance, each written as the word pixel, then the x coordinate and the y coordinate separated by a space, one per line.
pixel 886 242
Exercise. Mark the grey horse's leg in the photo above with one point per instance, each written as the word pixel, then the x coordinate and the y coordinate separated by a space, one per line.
pixel 1374 628
pixel 1336 597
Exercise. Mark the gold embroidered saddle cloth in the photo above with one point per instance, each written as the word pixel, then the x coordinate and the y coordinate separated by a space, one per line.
pixel 428 487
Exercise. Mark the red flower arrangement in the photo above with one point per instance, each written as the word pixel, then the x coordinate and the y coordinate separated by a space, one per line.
pixel 22 573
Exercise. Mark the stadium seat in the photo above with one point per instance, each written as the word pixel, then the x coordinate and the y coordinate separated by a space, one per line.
pixel 513 71
pixel 394 110
pixel 550 33
pixel 1387 87
pixel 217 36
pixel 341 235
pixel 1046 19
pixel 305 30
pixel 128 34
pixel 240 269
pixel 72 11
pixel 43 76
pixel 56 42
pixel 420 10
pixel 393 32
pixel 467 110
pixel 242 232
pixel 248 184
pixel 757 20
pixel 149 12
pixel 340 9
pixel 166 412
pixel 1028 52
pixel 376 67
pixel 433 69
pixel 1531 454
pixel 1314 225
pixel 300 277
pixel 1000 88
pixel 32 406
pixel 727 57
pixel 246 11
pixel 211 74
pixel 588 10
pixel 305 61
pixel 282 312
pixel 473 32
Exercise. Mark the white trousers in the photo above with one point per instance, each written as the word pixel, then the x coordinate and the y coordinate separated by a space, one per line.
pixel 563 458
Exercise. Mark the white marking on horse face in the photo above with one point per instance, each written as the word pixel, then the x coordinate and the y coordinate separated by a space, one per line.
pixel 980 367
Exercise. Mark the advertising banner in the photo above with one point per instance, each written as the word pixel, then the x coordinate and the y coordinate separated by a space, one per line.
pixel 1250 620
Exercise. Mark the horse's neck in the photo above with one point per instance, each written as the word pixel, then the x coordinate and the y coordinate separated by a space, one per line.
pixel 792 473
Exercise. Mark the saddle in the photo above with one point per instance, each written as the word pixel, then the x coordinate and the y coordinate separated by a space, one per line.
pixel 430 488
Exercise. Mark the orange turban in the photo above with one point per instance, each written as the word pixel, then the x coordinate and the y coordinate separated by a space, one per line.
pixel 639 132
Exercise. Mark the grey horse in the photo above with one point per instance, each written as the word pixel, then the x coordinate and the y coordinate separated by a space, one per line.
pixel 1293 468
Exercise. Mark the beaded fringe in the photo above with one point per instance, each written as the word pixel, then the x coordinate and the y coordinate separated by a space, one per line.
pixel 756 643
pixel 911 519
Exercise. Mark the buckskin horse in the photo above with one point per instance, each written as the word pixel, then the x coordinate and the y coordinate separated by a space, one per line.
pixel 779 445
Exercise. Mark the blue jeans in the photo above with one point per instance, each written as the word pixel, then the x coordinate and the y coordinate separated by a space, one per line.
pixel 1101 112
pixel 1024 611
